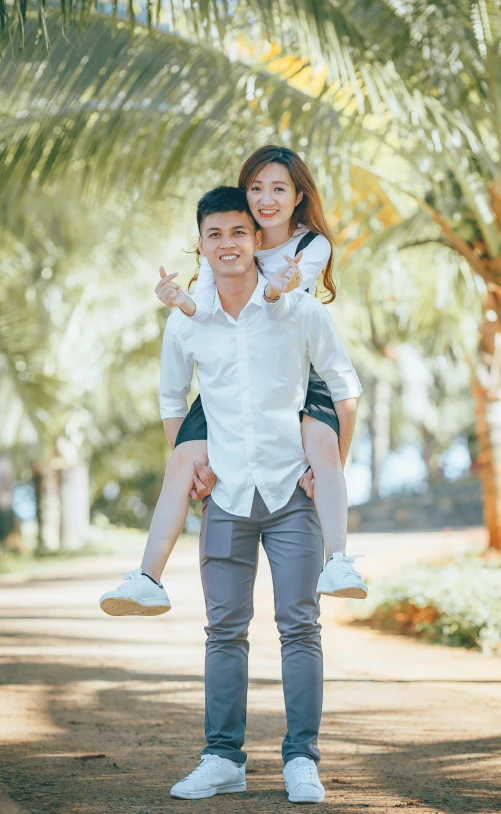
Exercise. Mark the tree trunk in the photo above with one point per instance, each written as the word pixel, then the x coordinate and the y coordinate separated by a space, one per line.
pixel 75 506
pixel 488 421
pixel 10 534
pixel 486 388
pixel 431 455
pixel 379 430
pixel 46 480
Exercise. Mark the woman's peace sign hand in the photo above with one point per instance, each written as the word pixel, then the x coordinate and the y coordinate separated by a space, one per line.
pixel 289 278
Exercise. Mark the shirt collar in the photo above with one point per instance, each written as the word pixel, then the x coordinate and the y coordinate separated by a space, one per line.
pixel 255 299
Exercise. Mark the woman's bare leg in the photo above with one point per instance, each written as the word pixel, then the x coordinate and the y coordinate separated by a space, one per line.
pixel 172 506
pixel 321 447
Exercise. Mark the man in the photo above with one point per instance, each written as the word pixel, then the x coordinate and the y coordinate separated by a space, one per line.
pixel 253 374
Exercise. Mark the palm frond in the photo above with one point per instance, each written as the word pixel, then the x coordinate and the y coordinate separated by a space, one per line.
pixel 359 42
pixel 128 113
pixel 427 296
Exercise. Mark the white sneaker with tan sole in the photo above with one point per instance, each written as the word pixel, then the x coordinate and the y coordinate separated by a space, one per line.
pixel 137 596
pixel 339 578
pixel 213 775
pixel 302 782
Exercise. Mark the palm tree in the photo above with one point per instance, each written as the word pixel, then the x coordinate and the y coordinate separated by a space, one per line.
pixel 402 310
pixel 416 82
pixel 434 78
pixel 54 128
pixel 141 116
pixel 79 347
pixel 28 388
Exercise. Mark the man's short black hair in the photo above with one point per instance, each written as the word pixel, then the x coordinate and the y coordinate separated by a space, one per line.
pixel 223 199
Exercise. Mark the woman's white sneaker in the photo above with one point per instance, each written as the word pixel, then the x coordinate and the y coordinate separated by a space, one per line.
pixel 339 578
pixel 302 782
pixel 137 596
pixel 213 775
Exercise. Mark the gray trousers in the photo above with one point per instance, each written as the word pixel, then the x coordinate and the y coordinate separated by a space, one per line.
pixel 229 544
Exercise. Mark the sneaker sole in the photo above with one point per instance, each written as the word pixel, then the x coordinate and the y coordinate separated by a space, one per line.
pixel 313 798
pixel 348 592
pixel 293 799
pixel 199 795
pixel 121 606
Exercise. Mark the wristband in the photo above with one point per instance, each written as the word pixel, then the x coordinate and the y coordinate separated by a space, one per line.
pixel 271 299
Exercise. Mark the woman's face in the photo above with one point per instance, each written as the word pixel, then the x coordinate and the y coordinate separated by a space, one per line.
pixel 272 196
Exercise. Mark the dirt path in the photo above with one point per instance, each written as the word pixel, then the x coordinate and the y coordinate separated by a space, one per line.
pixel 103 715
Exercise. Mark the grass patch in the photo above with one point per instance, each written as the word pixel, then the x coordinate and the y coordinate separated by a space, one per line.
pixel 100 542
pixel 457 604
pixel 19 563
pixel 110 541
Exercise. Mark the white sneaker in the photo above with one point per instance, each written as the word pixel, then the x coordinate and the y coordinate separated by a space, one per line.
pixel 339 578
pixel 137 596
pixel 302 782
pixel 213 775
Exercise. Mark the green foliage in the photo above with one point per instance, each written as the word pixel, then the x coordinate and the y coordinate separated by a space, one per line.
pixel 79 327
pixel 134 505
pixel 412 317
pixel 122 114
pixel 99 542
pixel 150 115
pixel 421 79
pixel 458 604
pixel 29 386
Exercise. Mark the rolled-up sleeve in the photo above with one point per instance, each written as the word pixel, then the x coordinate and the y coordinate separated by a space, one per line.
pixel 204 293
pixel 176 371
pixel 315 258
pixel 282 307
pixel 328 354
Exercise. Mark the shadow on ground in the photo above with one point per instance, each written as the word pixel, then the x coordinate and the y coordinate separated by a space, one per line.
pixel 114 740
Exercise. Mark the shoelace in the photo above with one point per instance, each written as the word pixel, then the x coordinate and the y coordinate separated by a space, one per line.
pixel 138 573
pixel 345 563
pixel 131 574
pixel 202 766
pixel 304 771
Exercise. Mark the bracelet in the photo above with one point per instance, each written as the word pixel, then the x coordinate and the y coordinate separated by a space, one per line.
pixel 270 299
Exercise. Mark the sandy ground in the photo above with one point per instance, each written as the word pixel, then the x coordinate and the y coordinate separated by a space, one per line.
pixel 104 715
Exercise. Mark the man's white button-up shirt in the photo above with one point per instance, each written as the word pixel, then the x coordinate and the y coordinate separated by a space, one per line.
pixel 253 376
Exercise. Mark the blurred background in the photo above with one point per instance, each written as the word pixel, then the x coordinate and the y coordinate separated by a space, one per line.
pixel 115 118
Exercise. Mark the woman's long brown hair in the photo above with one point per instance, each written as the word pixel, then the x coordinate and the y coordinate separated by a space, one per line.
pixel 309 211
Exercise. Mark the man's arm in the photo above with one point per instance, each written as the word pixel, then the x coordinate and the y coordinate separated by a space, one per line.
pixel 176 371
pixel 204 478
pixel 346 412
pixel 327 353
pixel 332 363
pixel 171 429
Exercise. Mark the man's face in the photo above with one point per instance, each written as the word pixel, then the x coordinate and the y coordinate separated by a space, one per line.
pixel 229 241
